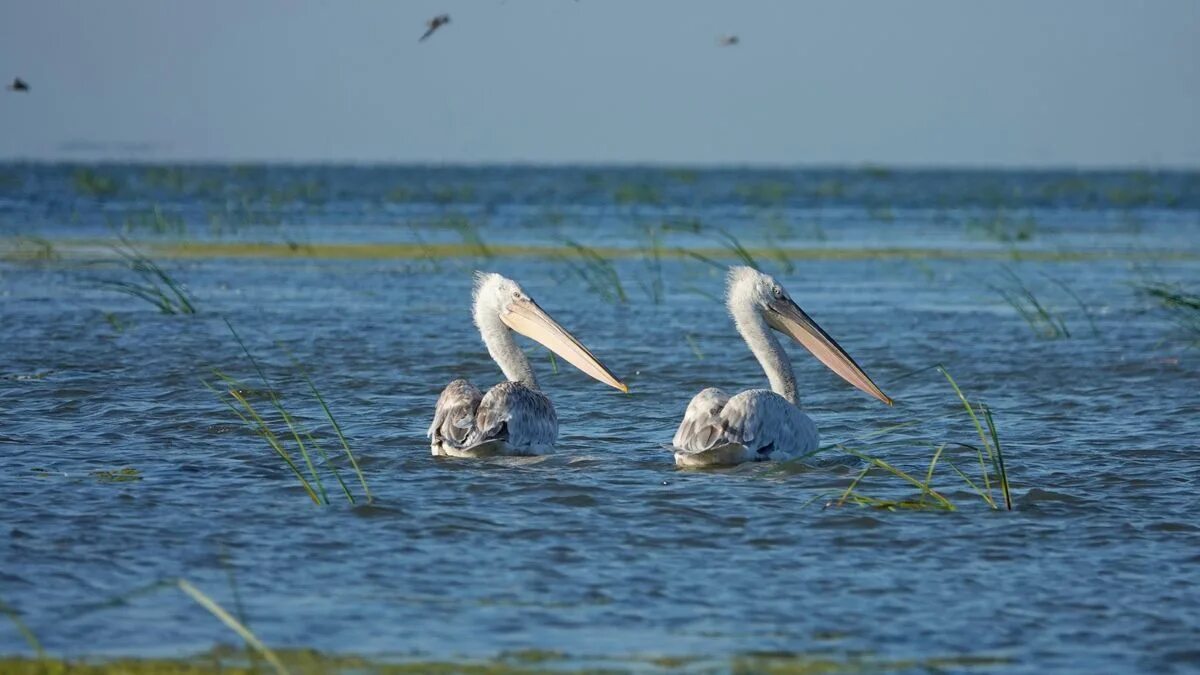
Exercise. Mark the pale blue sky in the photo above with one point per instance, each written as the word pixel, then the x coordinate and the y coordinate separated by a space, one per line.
pixel 922 82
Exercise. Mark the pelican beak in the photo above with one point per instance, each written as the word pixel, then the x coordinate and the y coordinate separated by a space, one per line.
pixel 524 316
pixel 786 317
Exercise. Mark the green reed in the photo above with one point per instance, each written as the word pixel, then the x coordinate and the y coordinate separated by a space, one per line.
pixel 597 271
pixel 151 284
pixel 1182 305
pixel 1042 319
pixel 30 638
pixel 236 396
pixel 233 624
pixel 989 453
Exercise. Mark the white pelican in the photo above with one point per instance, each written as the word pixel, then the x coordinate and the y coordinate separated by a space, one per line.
pixel 515 417
pixel 759 425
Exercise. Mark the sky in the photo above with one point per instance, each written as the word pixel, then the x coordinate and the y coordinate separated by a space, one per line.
pixel 1012 83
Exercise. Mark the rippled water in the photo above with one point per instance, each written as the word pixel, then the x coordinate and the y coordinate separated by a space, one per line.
pixel 604 549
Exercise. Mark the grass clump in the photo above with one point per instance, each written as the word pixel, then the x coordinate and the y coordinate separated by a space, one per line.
pixel 92 183
pixel 1042 319
pixel 992 476
pixel 152 284
pixel 239 398
pixel 1002 227
pixel 1182 305
pixel 597 271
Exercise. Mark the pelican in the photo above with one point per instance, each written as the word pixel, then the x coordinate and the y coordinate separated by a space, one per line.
pixel 514 417
pixel 760 424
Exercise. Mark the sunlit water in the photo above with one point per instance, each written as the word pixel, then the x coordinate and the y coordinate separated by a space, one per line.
pixel 604 548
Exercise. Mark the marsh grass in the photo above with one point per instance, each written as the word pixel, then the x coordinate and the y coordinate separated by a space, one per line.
pixel 1003 227
pixel 1042 319
pixel 471 237
pixel 233 624
pixel 26 634
pixel 1182 305
pixel 283 432
pixel 655 288
pixel 992 475
pixel 597 271
pixel 152 283
pixel 32 248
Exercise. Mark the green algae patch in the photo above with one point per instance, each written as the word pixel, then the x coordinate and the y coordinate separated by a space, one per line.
pixel 20 249
pixel 229 661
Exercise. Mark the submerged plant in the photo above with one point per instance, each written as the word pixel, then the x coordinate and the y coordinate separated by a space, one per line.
pixel 152 284
pixel 237 397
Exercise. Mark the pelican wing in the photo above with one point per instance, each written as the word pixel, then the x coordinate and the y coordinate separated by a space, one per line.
pixel 522 417
pixel 702 427
pixel 454 416
pixel 755 425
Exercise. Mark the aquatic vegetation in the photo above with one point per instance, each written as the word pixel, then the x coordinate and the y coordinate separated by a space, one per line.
pixel 1182 304
pixel 883 214
pixel 152 285
pixel 237 397
pixel 31 248
pixel 236 626
pixel 597 271
pixel 636 193
pixel 155 220
pixel 764 193
pixel 469 231
pixel 1002 227
pixel 15 617
pixel 125 475
pixel 992 472
pixel 94 183
pixel 1043 320
pixel 655 287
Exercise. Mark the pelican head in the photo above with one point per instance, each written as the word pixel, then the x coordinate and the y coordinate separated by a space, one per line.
pixel 500 298
pixel 751 290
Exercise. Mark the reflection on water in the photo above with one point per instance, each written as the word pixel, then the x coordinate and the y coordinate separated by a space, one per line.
pixel 119 469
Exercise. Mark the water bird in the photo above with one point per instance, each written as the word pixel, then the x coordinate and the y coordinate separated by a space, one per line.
pixel 18 85
pixel 761 424
pixel 514 417
pixel 434 24
pixel 728 40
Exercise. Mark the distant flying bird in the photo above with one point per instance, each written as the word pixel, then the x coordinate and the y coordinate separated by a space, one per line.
pixel 434 24
pixel 728 40
pixel 18 85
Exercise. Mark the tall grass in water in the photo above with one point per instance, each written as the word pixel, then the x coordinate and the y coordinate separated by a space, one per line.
pixel 152 284
pixel 30 639
pixel 236 626
pixel 1042 319
pixel 992 477
pixel 1183 305
pixel 237 397
pixel 596 271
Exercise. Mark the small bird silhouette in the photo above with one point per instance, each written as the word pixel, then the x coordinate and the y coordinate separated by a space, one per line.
pixel 18 85
pixel 728 40
pixel 434 24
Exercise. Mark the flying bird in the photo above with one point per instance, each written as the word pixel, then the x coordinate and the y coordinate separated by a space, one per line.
pixel 761 424
pixel 514 417
pixel 728 40
pixel 18 85
pixel 434 24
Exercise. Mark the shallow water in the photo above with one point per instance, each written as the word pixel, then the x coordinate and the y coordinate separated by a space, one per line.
pixel 603 549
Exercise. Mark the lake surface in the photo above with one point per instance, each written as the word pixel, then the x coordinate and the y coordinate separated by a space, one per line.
pixel 119 469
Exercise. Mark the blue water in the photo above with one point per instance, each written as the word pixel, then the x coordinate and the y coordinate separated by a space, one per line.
pixel 604 549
